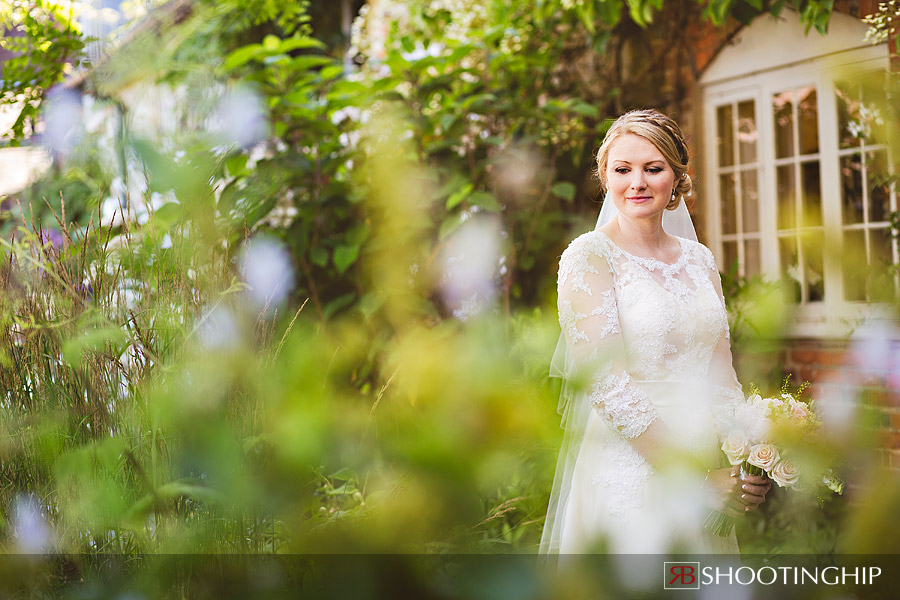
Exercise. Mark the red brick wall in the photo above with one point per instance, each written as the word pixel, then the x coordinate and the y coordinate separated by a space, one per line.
pixel 814 360
pixel 833 368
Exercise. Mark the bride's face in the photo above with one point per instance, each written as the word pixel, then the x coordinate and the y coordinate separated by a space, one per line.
pixel 638 177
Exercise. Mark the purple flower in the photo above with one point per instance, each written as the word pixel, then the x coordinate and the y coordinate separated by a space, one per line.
pixel 52 238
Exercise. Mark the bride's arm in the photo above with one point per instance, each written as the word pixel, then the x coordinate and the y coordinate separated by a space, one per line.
pixel 590 323
pixel 727 391
pixel 728 394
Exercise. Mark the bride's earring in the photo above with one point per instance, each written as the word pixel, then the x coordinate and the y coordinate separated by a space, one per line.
pixel 674 201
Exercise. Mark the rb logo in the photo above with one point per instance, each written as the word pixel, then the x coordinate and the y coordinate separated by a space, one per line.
pixel 681 576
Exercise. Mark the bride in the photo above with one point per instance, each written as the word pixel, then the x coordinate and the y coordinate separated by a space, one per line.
pixel 646 364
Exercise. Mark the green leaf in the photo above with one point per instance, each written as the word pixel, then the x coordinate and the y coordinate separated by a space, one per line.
pixel 229 198
pixel 296 43
pixel 161 167
pixel 564 190
pixel 610 12
pixel 585 12
pixel 718 11
pixel 485 200
pixel 274 59
pixel 586 110
pixel 370 303
pixel 345 474
pixel 458 196
pixel 236 165
pixel 358 234
pixel 319 256
pixel 241 56
pixel 554 107
pixel 168 214
pixel 331 72
pixel 344 256
pixel 478 102
pixel 337 304
pixel 95 339
pixel 272 43
pixel 302 63
pixel 447 121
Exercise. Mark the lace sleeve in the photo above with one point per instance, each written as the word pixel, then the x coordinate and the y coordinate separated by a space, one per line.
pixel 589 320
pixel 727 391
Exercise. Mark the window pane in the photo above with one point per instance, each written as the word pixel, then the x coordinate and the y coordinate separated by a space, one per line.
pixel 783 106
pixel 751 258
pixel 877 111
pixel 790 269
pixel 812 196
pixel 880 245
pixel 813 271
pixel 731 255
pixel 724 136
pixel 729 213
pixel 881 286
pixel 784 182
pixel 851 186
pixel 848 115
pixel 854 259
pixel 879 187
pixel 861 110
pixel 750 200
pixel 747 135
pixel 808 120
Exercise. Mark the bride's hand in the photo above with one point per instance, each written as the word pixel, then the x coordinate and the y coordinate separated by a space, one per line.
pixel 734 495
pixel 753 490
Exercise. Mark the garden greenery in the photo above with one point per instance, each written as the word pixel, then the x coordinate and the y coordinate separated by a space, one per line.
pixel 167 389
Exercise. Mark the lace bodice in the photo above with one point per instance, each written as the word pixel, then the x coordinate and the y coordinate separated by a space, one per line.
pixel 629 318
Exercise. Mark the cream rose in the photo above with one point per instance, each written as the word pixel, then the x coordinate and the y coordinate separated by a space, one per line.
pixel 785 473
pixel 736 447
pixel 764 456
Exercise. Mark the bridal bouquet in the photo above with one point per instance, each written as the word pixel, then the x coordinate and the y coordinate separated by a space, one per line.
pixel 764 438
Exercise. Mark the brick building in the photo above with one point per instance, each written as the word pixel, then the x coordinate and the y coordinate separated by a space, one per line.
pixel 791 135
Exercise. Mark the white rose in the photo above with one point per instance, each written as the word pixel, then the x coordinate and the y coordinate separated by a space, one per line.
pixel 759 430
pixel 736 447
pixel 785 473
pixel 764 456
pixel 748 415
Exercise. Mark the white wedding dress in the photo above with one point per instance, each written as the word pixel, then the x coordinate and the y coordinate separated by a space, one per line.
pixel 646 340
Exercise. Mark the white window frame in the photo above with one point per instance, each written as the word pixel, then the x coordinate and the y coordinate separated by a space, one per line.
pixel 832 316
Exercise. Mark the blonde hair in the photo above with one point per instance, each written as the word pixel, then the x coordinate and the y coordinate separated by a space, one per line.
pixel 661 131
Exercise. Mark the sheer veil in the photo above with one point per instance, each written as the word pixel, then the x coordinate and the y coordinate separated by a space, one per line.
pixel 574 407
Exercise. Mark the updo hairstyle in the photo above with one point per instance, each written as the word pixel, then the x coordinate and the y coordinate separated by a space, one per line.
pixel 661 131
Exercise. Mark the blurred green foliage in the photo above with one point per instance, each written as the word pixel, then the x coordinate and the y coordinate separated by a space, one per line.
pixel 150 406
pixel 44 43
